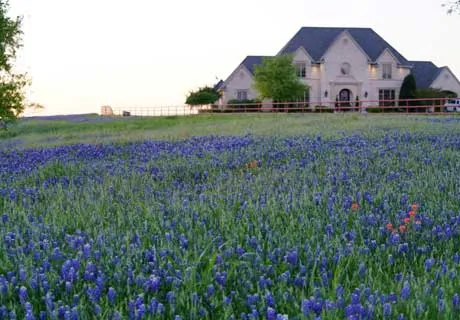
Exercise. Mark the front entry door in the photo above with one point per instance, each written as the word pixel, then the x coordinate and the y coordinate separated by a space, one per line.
pixel 344 98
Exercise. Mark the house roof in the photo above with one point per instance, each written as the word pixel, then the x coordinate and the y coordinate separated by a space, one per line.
pixel 251 61
pixel 316 40
pixel 219 85
pixel 425 72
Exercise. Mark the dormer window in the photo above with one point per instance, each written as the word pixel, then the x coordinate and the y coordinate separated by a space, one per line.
pixel 386 70
pixel 301 69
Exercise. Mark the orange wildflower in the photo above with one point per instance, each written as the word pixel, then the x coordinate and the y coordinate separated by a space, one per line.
pixel 412 213
pixel 402 228
pixel 355 206
pixel 406 220
pixel 252 164
pixel 389 226
pixel 414 207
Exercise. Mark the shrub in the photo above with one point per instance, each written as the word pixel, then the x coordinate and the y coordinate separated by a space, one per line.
pixel 323 109
pixel 428 95
pixel 249 105
pixel 374 110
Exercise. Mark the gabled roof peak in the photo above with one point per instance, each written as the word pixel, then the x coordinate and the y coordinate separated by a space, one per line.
pixel 250 61
pixel 316 41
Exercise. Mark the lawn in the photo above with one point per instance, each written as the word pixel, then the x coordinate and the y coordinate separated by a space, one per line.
pixel 54 131
pixel 342 217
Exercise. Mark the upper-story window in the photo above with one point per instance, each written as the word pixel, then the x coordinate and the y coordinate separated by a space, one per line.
pixel 301 69
pixel 386 70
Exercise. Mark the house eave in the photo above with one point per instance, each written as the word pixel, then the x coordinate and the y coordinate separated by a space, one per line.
pixel 399 65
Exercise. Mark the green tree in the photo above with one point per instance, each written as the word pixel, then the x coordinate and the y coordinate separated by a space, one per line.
pixel 452 6
pixel 276 78
pixel 12 95
pixel 202 96
pixel 431 97
pixel 408 90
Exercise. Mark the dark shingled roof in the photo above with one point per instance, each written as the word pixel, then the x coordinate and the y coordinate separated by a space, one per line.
pixel 219 85
pixel 250 61
pixel 425 72
pixel 316 40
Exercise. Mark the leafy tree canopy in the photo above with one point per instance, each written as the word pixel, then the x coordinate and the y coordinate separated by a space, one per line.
pixel 276 78
pixel 12 95
pixel 202 96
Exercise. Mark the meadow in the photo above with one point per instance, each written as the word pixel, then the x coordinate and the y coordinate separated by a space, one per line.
pixel 343 217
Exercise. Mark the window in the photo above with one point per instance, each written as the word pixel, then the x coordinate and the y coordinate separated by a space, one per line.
pixel 301 69
pixel 387 97
pixel 386 70
pixel 242 95
pixel 345 69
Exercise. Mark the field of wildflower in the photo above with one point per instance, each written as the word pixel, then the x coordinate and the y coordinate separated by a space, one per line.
pixel 360 224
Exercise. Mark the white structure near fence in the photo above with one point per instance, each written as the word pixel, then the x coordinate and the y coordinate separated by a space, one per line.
pixel 344 64
pixel 106 111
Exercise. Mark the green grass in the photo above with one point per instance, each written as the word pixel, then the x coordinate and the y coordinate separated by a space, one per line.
pixel 45 133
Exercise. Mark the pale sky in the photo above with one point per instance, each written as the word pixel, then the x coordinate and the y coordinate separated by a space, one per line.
pixel 150 53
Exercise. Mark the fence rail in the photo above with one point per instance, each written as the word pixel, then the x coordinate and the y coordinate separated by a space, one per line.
pixel 442 106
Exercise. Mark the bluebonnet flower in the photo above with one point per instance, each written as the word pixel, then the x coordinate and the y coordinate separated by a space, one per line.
pixel 221 277
pixel 362 269
pixel 456 302
pixel 253 299
pixel 441 305
pixel 440 293
pixel 271 314
pixel 387 310
pixel 22 274
pixel 210 290
pixel 23 294
pixel 111 295
pixel 68 286
pixel 291 257
pixel 86 251
pixel 29 311
pixel 269 300
pixel 97 309
pixel 153 283
pixel 405 291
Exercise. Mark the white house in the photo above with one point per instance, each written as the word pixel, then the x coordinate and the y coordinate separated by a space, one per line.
pixel 344 64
